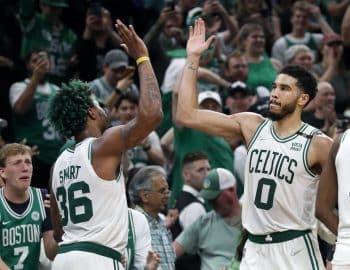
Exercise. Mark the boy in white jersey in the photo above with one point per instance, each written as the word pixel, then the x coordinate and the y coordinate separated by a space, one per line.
pixel 87 195
pixel 335 189
pixel 284 158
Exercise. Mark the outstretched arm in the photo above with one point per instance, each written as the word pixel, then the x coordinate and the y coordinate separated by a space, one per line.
pixel 150 110
pixel 187 112
pixel 327 195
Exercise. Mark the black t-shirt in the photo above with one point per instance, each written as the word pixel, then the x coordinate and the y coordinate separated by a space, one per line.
pixel 19 208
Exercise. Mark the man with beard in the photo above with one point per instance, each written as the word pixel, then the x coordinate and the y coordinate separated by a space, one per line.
pixel 29 100
pixel 285 157
pixel 88 197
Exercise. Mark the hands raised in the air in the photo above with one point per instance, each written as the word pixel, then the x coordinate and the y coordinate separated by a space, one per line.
pixel 132 43
pixel 196 43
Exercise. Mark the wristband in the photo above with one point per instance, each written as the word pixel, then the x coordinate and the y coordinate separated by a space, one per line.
pixel 142 59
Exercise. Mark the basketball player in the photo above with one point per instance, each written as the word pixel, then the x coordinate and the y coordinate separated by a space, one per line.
pixel 284 159
pixel 88 196
pixel 335 188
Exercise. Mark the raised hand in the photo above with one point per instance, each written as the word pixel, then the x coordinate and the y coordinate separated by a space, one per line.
pixel 196 43
pixel 132 43
pixel 152 261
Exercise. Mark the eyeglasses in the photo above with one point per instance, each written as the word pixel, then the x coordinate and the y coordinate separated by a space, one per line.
pixel 166 192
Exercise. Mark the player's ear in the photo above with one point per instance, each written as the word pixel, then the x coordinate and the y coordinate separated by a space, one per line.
pixel 303 99
pixel 92 113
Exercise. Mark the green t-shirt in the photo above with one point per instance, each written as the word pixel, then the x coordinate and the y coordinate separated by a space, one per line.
pixel 34 126
pixel 188 140
pixel 261 74
pixel 39 33
pixel 213 239
pixel 21 233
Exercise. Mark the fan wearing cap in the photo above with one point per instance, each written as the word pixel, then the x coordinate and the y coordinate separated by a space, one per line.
pixel 240 97
pixel 117 78
pixel 45 30
pixel 215 235
pixel 188 140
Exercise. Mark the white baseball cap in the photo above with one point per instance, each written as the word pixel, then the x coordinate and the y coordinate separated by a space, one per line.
pixel 209 95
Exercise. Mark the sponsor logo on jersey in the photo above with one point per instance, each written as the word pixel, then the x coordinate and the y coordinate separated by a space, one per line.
pixel 296 146
pixel 4 223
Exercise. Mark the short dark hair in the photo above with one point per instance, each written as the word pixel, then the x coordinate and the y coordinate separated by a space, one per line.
pixel 193 156
pixel 234 54
pixel 68 109
pixel 305 80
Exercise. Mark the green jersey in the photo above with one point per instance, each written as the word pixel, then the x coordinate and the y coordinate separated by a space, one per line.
pixel 34 125
pixel 188 140
pixel 40 33
pixel 21 233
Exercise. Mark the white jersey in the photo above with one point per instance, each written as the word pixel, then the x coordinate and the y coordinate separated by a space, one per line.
pixel 91 209
pixel 280 188
pixel 343 173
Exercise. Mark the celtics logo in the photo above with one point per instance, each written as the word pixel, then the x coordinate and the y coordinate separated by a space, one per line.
pixel 35 216
pixel 206 183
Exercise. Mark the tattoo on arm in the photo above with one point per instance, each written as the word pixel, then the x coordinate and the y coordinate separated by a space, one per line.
pixel 192 66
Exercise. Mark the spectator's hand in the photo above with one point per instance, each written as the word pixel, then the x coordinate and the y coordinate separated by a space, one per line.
pixel 107 20
pixel 89 22
pixel 152 261
pixel 6 62
pixel 47 202
pixel 196 43
pixel 123 260
pixel 132 43
pixel 34 150
pixel 171 217
pixel 41 68
pixel 166 14
pixel 330 114
pixel 315 11
pixel 217 7
pixel 125 82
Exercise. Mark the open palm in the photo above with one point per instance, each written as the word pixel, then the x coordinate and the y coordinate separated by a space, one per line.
pixel 196 43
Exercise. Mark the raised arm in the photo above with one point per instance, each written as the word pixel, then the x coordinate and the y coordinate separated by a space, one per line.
pixel 150 110
pixel 345 27
pixel 327 195
pixel 187 112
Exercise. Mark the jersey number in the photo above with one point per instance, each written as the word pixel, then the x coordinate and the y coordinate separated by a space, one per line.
pixel 23 252
pixel 265 193
pixel 79 208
